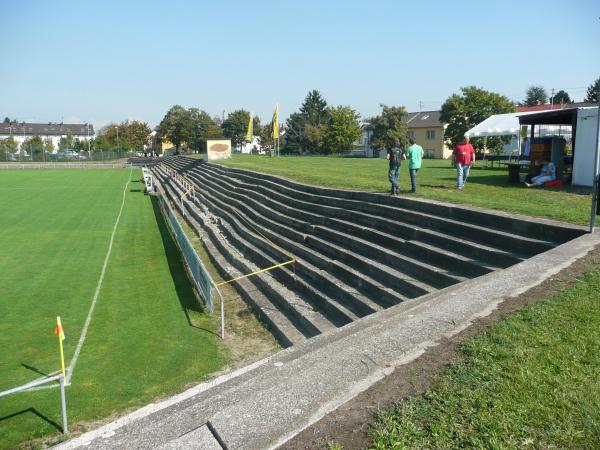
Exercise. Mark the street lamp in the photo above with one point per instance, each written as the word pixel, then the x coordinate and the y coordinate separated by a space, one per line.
pixel 87 126
pixel 117 128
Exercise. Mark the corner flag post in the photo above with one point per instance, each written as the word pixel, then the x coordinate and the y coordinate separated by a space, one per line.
pixel 58 330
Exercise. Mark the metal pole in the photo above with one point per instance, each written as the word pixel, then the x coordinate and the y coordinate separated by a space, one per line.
pixel 222 316
pixel 595 181
pixel 63 405
pixel 88 139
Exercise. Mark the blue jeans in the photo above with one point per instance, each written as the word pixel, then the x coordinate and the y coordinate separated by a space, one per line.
pixel 462 173
pixel 413 179
pixel 393 177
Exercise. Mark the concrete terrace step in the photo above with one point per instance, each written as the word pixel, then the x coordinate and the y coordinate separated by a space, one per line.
pixel 337 315
pixel 244 203
pixel 356 253
pixel 348 303
pixel 465 230
pixel 326 273
pixel 543 230
pixel 413 229
pixel 281 318
pixel 286 214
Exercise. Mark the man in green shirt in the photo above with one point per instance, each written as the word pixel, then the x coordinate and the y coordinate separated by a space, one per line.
pixel 414 154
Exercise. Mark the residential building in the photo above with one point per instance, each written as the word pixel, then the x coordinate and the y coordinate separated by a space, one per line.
pixel 20 131
pixel 427 130
pixel 424 127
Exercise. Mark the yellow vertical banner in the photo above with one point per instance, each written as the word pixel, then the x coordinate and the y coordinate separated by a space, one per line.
pixel 250 131
pixel 58 330
pixel 276 122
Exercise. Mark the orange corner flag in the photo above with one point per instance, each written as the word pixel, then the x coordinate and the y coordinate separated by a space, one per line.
pixel 58 330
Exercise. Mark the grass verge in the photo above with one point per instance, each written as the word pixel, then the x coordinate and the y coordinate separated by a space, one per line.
pixel 529 382
pixel 486 188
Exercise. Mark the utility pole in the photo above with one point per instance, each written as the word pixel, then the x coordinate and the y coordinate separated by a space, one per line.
pixel 552 98
pixel 594 210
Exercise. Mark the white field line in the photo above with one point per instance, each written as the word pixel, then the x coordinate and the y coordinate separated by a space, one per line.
pixel 88 319
pixel 73 362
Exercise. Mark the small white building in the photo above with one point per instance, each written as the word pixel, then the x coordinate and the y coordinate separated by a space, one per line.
pixel 20 131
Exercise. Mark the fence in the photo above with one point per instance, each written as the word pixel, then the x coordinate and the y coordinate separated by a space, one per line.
pixel 63 165
pixel 61 157
pixel 198 272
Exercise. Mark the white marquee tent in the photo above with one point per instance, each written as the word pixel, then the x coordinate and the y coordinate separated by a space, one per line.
pixel 497 125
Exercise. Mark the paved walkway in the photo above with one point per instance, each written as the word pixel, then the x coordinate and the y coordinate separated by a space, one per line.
pixel 265 404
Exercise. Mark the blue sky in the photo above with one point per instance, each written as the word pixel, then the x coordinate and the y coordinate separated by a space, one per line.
pixel 115 60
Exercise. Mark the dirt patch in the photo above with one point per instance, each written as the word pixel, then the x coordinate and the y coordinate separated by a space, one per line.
pixel 346 425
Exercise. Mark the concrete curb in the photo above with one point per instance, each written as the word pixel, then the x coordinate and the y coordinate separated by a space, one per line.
pixel 270 401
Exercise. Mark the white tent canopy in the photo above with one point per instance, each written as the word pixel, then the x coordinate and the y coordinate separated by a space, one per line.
pixel 497 125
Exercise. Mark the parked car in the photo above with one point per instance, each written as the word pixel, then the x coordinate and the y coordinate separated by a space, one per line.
pixel 68 154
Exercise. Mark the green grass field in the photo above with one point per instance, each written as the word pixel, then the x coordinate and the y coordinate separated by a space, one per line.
pixel 148 336
pixel 486 188
pixel 530 382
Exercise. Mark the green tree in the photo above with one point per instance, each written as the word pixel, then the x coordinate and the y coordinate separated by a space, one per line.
pixel 107 138
pixel 343 130
pixel 48 146
pixel 204 127
pixel 294 136
pixel 561 97
pixel 102 143
pixel 6 120
pixel 235 126
pixel 592 92
pixel 314 136
pixel 79 145
pixel 32 146
pixel 177 127
pixel 305 129
pixel 535 95
pixel 266 136
pixel 472 106
pixel 8 148
pixel 66 142
pixel 314 108
pixel 388 126
pixel 135 135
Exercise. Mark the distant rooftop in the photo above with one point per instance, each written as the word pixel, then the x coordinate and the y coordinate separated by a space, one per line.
pixel 555 106
pixel 46 129
pixel 423 119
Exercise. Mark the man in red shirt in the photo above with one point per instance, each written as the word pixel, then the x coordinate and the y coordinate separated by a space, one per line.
pixel 463 156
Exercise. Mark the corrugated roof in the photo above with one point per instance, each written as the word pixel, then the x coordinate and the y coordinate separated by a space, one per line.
pixel 46 129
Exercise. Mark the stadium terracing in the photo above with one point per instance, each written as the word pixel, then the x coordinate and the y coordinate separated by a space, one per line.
pixel 355 253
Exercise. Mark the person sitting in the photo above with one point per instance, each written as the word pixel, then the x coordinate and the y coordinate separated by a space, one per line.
pixel 548 173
